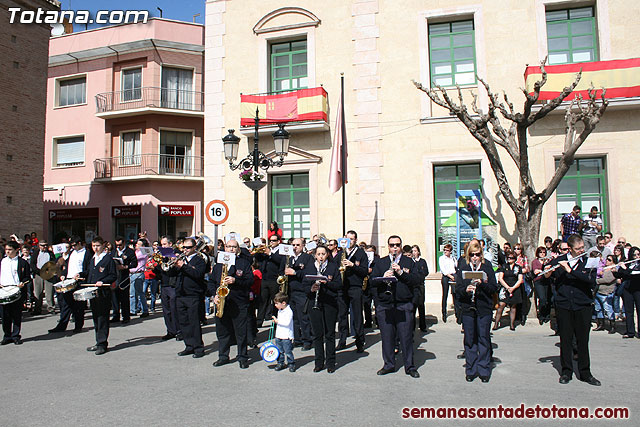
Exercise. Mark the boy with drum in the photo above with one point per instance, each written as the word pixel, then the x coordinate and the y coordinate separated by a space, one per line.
pixel 14 274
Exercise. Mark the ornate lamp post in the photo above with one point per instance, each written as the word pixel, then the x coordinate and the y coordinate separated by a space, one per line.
pixel 255 161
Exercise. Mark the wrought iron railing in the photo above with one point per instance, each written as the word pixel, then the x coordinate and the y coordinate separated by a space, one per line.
pixel 148 164
pixel 153 97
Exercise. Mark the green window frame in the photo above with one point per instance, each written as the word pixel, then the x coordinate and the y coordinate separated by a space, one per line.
pixel 585 185
pixel 288 65
pixel 571 35
pixel 290 204
pixel 452 53
pixel 446 180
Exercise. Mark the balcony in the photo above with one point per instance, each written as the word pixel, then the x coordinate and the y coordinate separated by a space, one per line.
pixel 304 110
pixel 145 100
pixel 149 166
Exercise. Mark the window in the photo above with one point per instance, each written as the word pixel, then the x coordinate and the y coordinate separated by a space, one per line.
pixel 290 204
pixel 130 149
pixel 177 88
pixel 571 35
pixel 448 179
pixel 288 66
pixel 72 92
pixel 68 151
pixel 175 152
pixel 132 84
pixel 583 185
pixel 452 53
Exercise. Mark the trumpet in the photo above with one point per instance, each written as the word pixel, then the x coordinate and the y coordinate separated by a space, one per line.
pixel 262 249
pixel 222 292
pixel 166 265
pixel 283 280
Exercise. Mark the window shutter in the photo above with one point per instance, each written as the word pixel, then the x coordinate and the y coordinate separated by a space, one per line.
pixel 70 151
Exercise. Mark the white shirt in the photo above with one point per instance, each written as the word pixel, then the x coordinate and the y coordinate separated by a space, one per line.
pixel 447 265
pixel 97 258
pixel 588 229
pixel 9 272
pixel 284 327
pixel 43 258
pixel 74 265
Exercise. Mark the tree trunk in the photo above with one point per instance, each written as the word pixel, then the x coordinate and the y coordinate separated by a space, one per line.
pixel 528 226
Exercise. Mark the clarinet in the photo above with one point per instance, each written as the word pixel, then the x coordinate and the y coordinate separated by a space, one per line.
pixel 473 294
pixel 315 303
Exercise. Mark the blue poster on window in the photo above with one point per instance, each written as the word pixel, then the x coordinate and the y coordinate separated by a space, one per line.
pixel 468 218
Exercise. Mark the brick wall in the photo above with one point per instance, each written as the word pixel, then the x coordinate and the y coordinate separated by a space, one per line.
pixel 24 51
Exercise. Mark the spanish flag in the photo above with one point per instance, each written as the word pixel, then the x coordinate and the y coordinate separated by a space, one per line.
pixel 621 78
pixel 296 106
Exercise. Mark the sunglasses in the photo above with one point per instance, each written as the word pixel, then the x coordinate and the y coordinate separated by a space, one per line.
pixel 273 240
pixel 511 257
pixel 395 245
pixel 188 247
pixel 230 247
pixel 564 249
pixel 476 254
pixel 621 243
pixel 296 244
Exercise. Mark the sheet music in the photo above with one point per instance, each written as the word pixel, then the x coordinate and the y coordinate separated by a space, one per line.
pixel 592 263
pixel 226 258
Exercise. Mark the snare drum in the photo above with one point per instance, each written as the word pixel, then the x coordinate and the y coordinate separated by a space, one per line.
pixel 9 294
pixel 86 294
pixel 269 352
pixel 65 286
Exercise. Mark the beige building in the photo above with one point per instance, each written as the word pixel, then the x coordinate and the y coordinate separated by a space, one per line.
pixel 406 155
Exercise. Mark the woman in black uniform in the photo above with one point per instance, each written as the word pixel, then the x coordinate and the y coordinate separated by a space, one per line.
pixel 510 278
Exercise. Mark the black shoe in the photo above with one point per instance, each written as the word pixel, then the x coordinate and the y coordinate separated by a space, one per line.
pixel 92 348
pixel 18 341
pixel 591 380
pixel 144 315
pixel 280 367
pixel 540 321
pixel 292 367
pixel 444 318
pixel 167 337
pixel 627 336
pixel 341 345
pixel 220 362
pixel 564 379
pixel 318 368
pixel 485 379
pixel 77 330
pixel 470 378
pixel 101 350
pixel 331 369
pixel 243 364
pixel 125 321
pixel 423 329
pixel 57 329
pixel 197 355
pixel 179 337
pixel 306 347
pixel 297 344
pixel 359 348
pixel 185 352
pixel 115 320
pixel 367 326
pixel 413 373
pixel 384 371
pixel 6 341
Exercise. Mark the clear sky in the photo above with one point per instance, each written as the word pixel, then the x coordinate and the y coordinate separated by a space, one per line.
pixel 181 10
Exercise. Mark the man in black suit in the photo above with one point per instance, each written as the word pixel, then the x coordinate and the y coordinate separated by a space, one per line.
pixel 271 266
pixel 125 258
pixel 394 301
pixel 300 264
pixel 102 274
pixel 168 298
pixel 574 305
pixel 42 287
pixel 189 271
pixel 14 271
pixel 234 319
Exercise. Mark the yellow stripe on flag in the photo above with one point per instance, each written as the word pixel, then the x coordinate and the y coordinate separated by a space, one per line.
pixel 621 77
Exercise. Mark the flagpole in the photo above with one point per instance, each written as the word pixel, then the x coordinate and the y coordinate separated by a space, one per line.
pixel 343 163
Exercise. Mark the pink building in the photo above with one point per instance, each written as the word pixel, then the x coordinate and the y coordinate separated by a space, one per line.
pixel 124 131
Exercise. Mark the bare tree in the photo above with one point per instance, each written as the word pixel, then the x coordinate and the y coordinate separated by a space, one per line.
pixel 581 118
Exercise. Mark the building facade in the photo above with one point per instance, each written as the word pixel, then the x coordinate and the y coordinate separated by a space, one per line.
pixel 24 51
pixel 124 134
pixel 406 155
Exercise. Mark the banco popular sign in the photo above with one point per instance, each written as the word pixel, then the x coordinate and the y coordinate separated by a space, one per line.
pixel 175 210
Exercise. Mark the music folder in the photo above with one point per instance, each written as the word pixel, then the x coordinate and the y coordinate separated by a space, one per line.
pixel 314 277
pixel 392 279
pixel 472 275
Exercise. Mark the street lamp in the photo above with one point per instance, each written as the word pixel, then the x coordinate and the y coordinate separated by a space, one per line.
pixel 256 160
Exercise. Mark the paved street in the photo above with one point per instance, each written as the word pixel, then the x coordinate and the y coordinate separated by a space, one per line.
pixel 52 380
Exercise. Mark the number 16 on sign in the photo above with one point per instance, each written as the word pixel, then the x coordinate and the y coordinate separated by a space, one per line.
pixel 217 213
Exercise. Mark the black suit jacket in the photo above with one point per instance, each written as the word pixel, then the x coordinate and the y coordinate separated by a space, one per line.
pixel 104 271
pixel 271 266
pixel 405 290
pixel 328 291
pixel 239 290
pixel 574 290
pixel 484 292
pixel 190 278
pixel 303 265
pixel 353 276
pixel 129 260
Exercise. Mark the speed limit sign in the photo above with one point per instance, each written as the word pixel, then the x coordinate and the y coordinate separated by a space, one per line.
pixel 217 212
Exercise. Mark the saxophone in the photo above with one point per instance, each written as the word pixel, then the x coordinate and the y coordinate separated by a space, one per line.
pixel 365 282
pixel 342 267
pixel 283 280
pixel 222 292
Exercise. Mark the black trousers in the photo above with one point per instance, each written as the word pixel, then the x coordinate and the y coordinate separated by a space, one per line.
pixel 268 290
pixel 121 302
pixel 631 299
pixel 574 323
pixel 69 306
pixel 422 319
pixel 170 309
pixel 12 319
pixel 301 322
pixel 323 326
pixel 252 324
pixel 351 304
pixel 446 285
pixel 232 323
pixel 477 344
pixel 100 308
pixel 543 296
pixel 396 324
pixel 367 299
pixel 189 320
